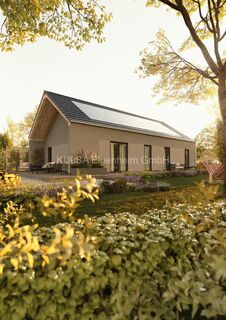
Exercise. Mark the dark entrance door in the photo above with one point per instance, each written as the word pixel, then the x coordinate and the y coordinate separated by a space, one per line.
pixel 167 158
pixel 187 159
pixel 49 154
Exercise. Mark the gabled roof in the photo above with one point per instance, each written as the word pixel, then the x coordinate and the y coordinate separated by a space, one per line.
pixel 80 111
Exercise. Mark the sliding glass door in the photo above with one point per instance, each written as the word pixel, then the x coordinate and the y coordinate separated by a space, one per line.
pixel 119 156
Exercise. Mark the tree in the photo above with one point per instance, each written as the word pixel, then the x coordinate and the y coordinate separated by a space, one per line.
pixel 73 22
pixel 18 132
pixel 13 158
pixel 26 123
pixel 4 140
pixel 180 79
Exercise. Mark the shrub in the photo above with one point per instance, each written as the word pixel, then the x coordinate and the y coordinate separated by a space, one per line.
pixel 13 158
pixel 2 159
pixel 166 264
pixel 32 198
pixel 105 187
pixel 117 186
pixel 7 181
pixel 86 160
pixel 148 187
pixel 27 196
pixel 168 174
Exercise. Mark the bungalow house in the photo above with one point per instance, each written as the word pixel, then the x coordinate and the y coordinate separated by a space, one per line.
pixel 64 126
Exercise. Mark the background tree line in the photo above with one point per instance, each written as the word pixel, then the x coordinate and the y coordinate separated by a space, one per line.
pixel 16 134
pixel 14 142
pixel 210 142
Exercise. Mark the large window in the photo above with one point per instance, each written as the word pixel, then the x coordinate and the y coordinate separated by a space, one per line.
pixel 167 158
pixel 119 156
pixel 187 159
pixel 147 158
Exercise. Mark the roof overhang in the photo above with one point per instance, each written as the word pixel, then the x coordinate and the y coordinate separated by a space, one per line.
pixel 44 119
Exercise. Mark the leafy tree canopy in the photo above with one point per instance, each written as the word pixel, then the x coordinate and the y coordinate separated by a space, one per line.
pixel 18 132
pixel 26 124
pixel 4 140
pixel 180 79
pixel 73 22
pixel 210 142
pixel 205 143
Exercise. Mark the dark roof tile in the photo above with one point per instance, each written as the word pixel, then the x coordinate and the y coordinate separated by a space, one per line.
pixel 74 114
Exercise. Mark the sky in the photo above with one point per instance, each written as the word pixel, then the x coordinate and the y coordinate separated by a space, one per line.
pixel 100 73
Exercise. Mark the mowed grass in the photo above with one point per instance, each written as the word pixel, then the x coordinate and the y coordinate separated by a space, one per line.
pixel 140 202
pixel 181 182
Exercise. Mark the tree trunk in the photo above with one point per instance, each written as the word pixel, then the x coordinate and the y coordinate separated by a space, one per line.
pixel 222 103
pixel 224 184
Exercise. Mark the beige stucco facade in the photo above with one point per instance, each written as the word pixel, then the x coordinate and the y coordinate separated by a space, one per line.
pixel 66 139
pixel 57 139
pixel 97 140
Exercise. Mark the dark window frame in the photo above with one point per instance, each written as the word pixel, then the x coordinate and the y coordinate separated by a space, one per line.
pixel 167 164
pixel 186 164
pixel 50 154
pixel 150 156
pixel 127 153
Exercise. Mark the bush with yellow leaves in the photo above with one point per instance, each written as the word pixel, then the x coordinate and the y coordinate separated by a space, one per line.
pixel 9 180
pixel 166 264
pixel 20 246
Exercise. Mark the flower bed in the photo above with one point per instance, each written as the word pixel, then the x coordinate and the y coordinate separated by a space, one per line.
pixel 125 183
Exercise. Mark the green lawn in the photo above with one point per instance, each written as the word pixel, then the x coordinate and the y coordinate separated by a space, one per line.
pixel 140 202
pixel 181 182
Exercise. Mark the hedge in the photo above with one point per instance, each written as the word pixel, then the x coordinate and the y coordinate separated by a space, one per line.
pixel 166 264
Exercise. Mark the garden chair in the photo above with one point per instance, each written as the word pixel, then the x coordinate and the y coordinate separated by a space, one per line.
pixel 24 166
pixel 215 170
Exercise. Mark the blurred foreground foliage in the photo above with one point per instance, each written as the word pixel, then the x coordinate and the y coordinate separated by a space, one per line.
pixel 169 263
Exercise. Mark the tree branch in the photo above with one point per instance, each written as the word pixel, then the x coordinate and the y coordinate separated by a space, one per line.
pixel 72 24
pixel 222 4
pixel 222 37
pixel 215 28
pixel 192 66
pixel 204 19
pixel 170 4
pixel 187 19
